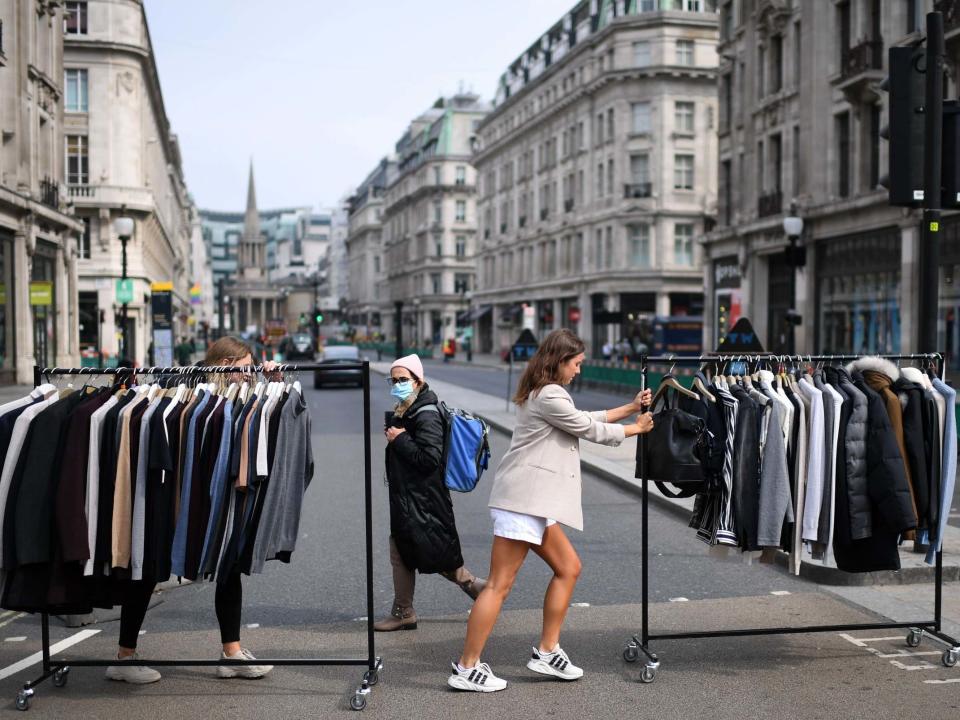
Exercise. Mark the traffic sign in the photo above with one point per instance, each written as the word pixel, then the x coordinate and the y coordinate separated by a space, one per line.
pixel 125 291
pixel 525 346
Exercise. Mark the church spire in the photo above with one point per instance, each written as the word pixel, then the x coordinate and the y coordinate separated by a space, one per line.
pixel 251 221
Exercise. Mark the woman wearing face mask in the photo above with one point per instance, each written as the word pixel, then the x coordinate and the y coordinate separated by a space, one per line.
pixel 537 487
pixel 423 533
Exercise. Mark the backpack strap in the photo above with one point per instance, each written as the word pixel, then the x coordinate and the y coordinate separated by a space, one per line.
pixel 432 408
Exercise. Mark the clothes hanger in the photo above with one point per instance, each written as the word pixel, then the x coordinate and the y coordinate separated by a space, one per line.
pixel 668 382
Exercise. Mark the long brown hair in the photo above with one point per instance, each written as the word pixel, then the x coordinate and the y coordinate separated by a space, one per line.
pixel 227 351
pixel 544 367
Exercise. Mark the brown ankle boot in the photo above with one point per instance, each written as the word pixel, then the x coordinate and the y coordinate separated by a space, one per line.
pixel 474 587
pixel 401 618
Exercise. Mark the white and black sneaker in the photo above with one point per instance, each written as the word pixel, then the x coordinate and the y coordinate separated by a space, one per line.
pixel 475 679
pixel 555 664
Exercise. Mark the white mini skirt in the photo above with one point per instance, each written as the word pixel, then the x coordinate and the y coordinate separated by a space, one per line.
pixel 518 526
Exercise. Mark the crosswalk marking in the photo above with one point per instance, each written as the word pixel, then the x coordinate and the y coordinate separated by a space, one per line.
pixel 54 649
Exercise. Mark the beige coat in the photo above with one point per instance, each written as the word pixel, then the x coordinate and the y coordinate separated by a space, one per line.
pixel 540 473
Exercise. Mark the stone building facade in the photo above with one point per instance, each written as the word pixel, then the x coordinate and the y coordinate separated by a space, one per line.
pixel 597 173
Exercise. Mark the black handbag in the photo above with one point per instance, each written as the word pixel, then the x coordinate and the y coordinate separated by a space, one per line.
pixel 675 448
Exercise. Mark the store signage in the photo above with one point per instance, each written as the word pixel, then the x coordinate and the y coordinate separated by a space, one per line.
pixel 525 347
pixel 573 314
pixel 125 291
pixel 161 304
pixel 726 272
pixel 41 292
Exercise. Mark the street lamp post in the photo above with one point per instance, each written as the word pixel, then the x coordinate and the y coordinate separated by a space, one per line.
pixel 796 258
pixel 123 226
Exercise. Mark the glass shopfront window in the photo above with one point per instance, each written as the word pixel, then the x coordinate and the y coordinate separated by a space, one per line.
pixel 858 293
pixel 43 300
pixel 948 329
pixel 8 354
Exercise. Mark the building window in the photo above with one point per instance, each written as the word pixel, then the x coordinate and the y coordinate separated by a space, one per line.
pixel 761 167
pixel 843 154
pixel 438 246
pixel 461 175
pixel 461 215
pixel 640 169
pixel 641 117
pixel 608 251
pixel 641 53
pixel 684 52
pixel 76 88
pixel 75 18
pixel 376 263
pixel 600 180
pixel 610 176
pixel 437 176
pixel 797 54
pixel 726 22
pixel 435 283
pixel 639 245
pixel 776 63
pixel 438 212
pixel 761 71
pixel 610 121
pixel 683 117
pixel 600 129
pixel 461 283
pixel 796 160
pixel 916 21
pixel 461 244
pixel 726 102
pixel 683 172
pixel 874 146
pixel 776 159
pixel 85 239
pixel 647 5
pixel 726 181
pixel 683 244
pixel 78 161
pixel 598 250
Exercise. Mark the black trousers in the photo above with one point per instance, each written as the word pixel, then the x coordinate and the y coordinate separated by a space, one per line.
pixel 228 603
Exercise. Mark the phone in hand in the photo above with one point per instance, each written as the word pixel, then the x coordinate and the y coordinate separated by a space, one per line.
pixel 387 419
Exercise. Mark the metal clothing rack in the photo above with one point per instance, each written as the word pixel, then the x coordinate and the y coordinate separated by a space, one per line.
pixel 640 642
pixel 59 669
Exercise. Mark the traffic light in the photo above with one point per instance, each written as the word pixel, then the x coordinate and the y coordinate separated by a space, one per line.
pixel 318 316
pixel 950 170
pixel 905 82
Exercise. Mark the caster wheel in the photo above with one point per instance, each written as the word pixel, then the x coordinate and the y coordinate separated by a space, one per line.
pixel 631 653
pixel 23 701
pixel 648 675
pixel 371 677
pixel 358 702
pixel 913 638
pixel 60 677
pixel 949 658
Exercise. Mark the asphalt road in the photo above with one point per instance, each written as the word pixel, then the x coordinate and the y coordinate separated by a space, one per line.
pixel 311 608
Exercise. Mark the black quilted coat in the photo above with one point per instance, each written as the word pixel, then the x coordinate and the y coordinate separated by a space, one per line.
pixel 421 511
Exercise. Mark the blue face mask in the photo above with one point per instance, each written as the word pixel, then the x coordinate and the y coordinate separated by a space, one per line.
pixel 401 391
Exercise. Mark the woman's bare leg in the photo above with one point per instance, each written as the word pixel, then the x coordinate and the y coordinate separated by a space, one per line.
pixel 558 553
pixel 506 557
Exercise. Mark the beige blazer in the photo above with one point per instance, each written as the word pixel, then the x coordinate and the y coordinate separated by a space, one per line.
pixel 540 473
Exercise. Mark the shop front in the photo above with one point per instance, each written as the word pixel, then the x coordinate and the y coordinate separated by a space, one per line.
pixel 43 305
pixel 858 293
pixel 727 300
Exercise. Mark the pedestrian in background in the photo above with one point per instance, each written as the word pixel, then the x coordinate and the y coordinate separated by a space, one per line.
pixel 423 532
pixel 536 488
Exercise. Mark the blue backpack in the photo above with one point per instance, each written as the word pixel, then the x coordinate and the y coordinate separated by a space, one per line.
pixel 466 446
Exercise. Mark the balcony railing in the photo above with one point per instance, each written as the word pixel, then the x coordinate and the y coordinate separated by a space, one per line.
pixel 868 55
pixel 50 193
pixel 770 204
pixel 638 190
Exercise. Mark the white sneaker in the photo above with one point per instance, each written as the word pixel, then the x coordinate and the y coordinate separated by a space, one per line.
pixel 555 664
pixel 134 674
pixel 248 672
pixel 475 679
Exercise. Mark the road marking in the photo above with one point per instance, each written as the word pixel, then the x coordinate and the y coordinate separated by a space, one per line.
pixel 942 682
pixel 579 604
pixel 253 626
pixel 54 649
pixel 18 638
pixel 908 653
pixel 7 613
pixel 142 632
pixel 679 599
pixel 862 642
pixel 11 619
pixel 362 618
pixel 779 592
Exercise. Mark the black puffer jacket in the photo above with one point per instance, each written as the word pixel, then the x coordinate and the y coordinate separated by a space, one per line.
pixel 421 511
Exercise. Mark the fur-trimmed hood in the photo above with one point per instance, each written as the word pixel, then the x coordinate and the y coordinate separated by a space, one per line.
pixel 918 376
pixel 877 364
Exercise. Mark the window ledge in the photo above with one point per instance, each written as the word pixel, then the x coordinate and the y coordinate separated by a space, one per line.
pixel 642 135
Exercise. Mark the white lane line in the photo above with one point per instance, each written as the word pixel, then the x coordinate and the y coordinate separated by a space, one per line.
pixel 362 618
pixel 679 599
pixel 579 604
pixel 942 682
pixel 142 632
pixel 9 620
pixel 18 638
pixel 54 649
pixel 779 592
pixel 253 626
pixel 861 642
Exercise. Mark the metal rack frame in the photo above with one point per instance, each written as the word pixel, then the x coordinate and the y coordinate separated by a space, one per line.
pixel 59 669
pixel 640 642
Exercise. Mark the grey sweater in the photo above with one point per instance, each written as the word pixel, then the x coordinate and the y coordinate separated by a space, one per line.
pixel 289 477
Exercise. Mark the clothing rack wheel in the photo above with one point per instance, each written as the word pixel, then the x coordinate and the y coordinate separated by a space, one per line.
pixel 23 699
pixel 60 676
pixel 914 637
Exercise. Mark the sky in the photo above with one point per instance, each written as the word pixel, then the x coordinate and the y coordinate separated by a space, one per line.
pixel 316 91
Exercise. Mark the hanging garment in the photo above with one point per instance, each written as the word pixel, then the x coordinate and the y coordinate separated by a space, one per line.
pixel 859 517
pixel 949 467
pixel 813 498
pixel 746 469
pixel 800 477
pixel 910 395
pixel 92 495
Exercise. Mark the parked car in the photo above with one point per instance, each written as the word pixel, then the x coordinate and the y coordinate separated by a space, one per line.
pixel 339 355
pixel 299 346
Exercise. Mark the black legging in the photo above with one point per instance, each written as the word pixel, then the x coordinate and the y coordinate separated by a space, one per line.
pixel 228 603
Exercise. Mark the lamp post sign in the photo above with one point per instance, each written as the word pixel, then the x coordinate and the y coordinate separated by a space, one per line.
pixel 125 291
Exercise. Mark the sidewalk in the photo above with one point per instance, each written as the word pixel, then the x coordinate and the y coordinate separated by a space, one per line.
pixel 617 465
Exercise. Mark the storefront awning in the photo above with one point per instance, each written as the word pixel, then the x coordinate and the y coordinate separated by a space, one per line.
pixel 473 314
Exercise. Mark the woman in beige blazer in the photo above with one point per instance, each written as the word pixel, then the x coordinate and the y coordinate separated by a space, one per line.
pixel 537 486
